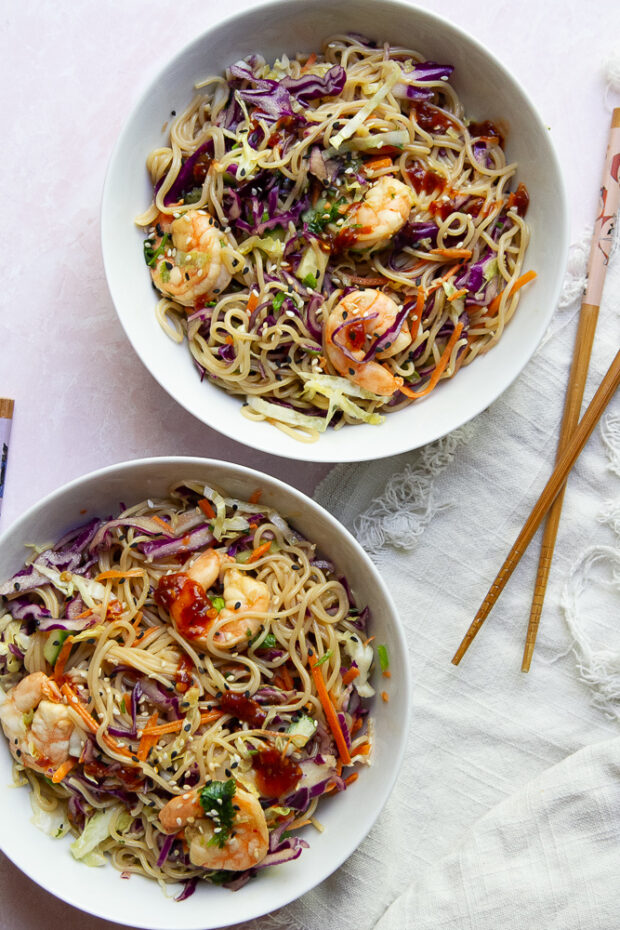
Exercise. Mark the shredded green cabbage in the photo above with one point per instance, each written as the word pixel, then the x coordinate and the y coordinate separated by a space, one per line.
pixel 339 391
pixel 355 122
pixel 97 830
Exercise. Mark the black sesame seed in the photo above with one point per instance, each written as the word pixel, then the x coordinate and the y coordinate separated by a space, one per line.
pixel 344 314
pixel 245 270
pixel 134 759
pixel 236 808
pixel 216 290
pixel 186 276
pixel 17 586
pixel 18 752
pixel 234 765
pixel 227 772
pixel 351 371
pixel 237 605
pixel 173 112
pixel 187 727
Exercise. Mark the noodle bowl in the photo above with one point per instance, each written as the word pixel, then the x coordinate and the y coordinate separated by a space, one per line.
pixel 185 726
pixel 332 234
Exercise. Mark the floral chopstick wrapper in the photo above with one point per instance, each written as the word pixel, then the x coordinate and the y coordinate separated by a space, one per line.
pixel 6 421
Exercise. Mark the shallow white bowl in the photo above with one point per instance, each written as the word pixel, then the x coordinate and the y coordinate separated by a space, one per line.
pixel 347 817
pixel 488 91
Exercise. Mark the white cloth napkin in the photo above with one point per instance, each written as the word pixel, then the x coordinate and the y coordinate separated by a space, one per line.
pixel 438 523
pixel 547 857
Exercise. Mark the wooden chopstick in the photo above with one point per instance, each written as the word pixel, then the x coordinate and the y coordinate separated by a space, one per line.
pixel 553 487
pixel 588 317
pixel 6 417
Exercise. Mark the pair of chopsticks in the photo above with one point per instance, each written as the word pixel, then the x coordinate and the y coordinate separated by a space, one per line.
pixel 6 418
pixel 573 433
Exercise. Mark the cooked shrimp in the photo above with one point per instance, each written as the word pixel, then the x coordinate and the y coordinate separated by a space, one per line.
pixel 373 221
pixel 366 314
pixel 244 596
pixel 192 266
pixel 37 726
pixel 246 846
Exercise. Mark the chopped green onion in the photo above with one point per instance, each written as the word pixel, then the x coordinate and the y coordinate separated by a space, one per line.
pixel 150 254
pixel 384 659
pixel 278 300
pixel 309 280
pixel 327 655
pixel 218 602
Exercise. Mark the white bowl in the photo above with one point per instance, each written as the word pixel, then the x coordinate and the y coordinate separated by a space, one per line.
pixel 487 90
pixel 347 817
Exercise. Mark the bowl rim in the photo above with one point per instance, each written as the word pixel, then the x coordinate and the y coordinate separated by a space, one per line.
pixel 19 856
pixel 347 452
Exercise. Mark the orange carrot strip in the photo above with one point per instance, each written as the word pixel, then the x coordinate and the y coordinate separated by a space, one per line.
pixel 63 770
pixel 460 293
pixel 363 750
pixel 147 742
pixel 349 675
pixel 357 725
pixel 385 696
pixel 439 281
pixel 260 551
pixel 85 613
pixel 206 508
pixel 330 713
pixel 286 678
pixel 518 284
pixel 373 164
pixel 309 63
pixel 255 496
pixel 387 673
pixel 61 659
pixel 162 523
pixel 451 253
pixel 137 620
pixel 90 722
pixel 351 778
pixel 252 302
pixel 112 575
pixel 175 725
pixel 141 639
pixel 441 365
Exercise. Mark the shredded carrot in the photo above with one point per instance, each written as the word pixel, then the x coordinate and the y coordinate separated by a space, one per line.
pixel 85 613
pixel 149 740
pixel 367 281
pixel 451 254
pixel 387 673
pixel 460 293
pixel 113 575
pixel 252 302
pixel 286 678
pixel 206 508
pixel 61 659
pixel 229 340
pixel 255 496
pixel 373 164
pixel 439 369
pixel 141 639
pixel 437 283
pixel 330 713
pixel 63 770
pixel 90 722
pixel 385 696
pixel 357 725
pixel 369 640
pixel 516 286
pixel 309 63
pixel 260 551
pixel 175 725
pixel 364 749
pixel 349 675
pixel 351 778
pixel 163 523
pixel 53 691
pixel 137 620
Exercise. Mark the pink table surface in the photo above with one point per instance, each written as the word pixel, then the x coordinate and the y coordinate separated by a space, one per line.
pixel 83 400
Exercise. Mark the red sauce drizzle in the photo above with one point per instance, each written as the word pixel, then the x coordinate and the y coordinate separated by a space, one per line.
pixel 424 180
pixel 520 199
pixel 187 603
pixel 201 168
pixel 430 119
pixel 275 775
pixel 487 129
pixel 243 708
pixel 131 778
pixel 183 677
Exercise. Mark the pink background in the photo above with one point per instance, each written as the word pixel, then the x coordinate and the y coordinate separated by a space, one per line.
pixel 83 400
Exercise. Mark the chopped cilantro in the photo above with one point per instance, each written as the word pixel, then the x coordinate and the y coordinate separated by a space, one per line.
pixel 278 300
pixel 217 796
pixel 309 280
pixel 123 705
pixel 150 254
pixel 323 215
